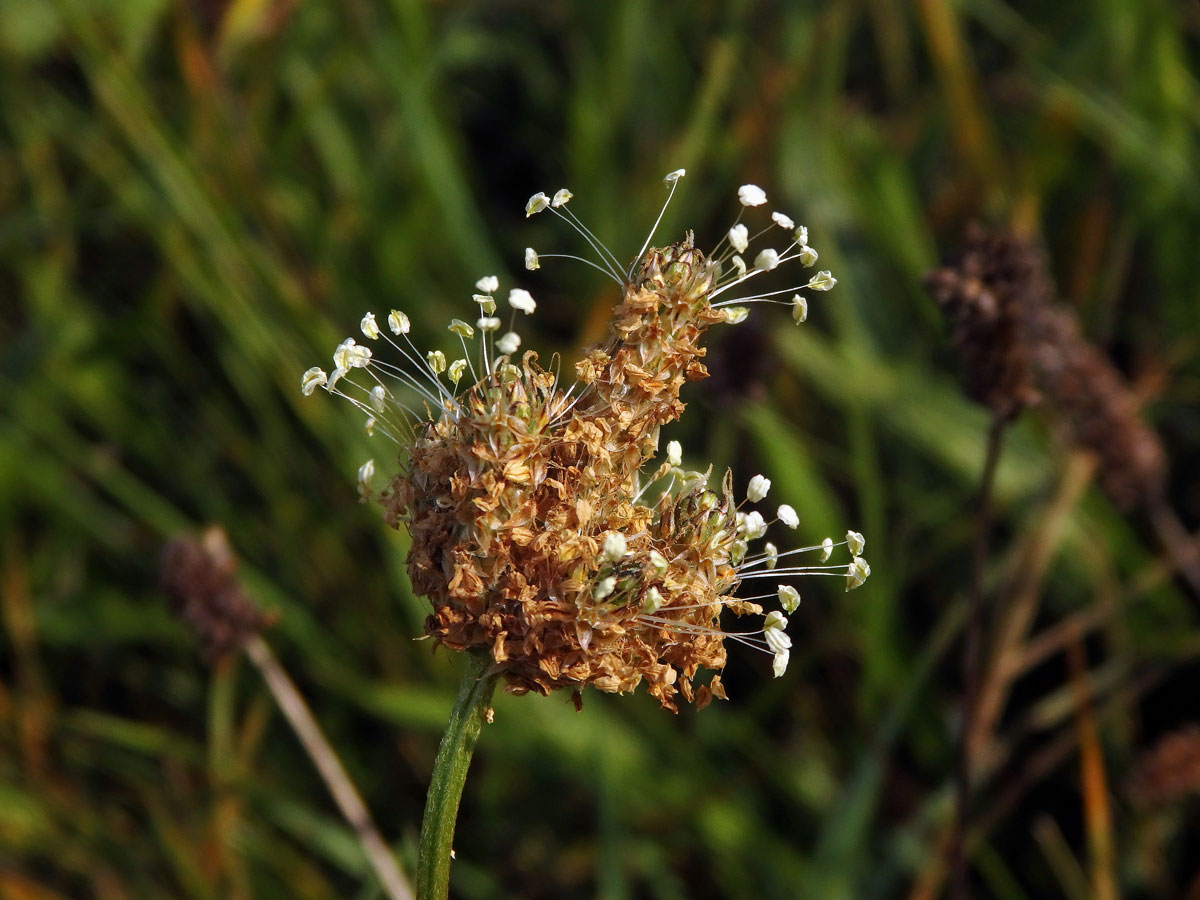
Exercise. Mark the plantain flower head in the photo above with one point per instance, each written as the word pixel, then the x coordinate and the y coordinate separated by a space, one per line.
pixel 544 530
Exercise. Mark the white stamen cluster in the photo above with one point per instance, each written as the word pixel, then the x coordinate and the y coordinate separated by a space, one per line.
pixel 730 253
pixel 400 395
pixel 749 527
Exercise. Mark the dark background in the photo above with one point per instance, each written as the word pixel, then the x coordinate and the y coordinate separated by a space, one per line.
pixel 199 199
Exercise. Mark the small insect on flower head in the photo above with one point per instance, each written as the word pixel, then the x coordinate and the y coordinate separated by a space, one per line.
pixel 543 529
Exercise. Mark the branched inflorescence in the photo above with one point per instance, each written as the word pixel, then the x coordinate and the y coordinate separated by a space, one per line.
pixel 536 534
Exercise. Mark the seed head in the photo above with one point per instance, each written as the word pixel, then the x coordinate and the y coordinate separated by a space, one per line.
pixel 989 295
pixel 1170 771
pixel 535 532
pixel 1018 347
pixel 1098 410
pixel 199 576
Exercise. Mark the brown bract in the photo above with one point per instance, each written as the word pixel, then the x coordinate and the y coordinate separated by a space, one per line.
pixel 509 495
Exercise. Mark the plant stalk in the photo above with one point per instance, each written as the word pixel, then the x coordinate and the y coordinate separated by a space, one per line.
pixel 351 804
pixel 972 638
pixel 450 774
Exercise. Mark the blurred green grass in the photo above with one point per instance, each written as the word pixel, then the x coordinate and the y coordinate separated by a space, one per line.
pixel 199 199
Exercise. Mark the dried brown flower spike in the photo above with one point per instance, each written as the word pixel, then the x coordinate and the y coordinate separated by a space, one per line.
pixel 1018 346
pixel 199 576
pixel 989 295
pixel 535 532
pixel 1098 408
pixel 1170 771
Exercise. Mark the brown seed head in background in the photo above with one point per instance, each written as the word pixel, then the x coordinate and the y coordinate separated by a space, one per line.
pixel 1095 404
pixel 199 575
pixel 988 295
pixel 1018 347
pixel 1170 771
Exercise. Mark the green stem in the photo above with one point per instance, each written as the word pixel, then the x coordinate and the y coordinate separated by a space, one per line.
pixel 449 776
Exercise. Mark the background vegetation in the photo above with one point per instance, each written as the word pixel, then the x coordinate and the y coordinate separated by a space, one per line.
pixel 199 198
